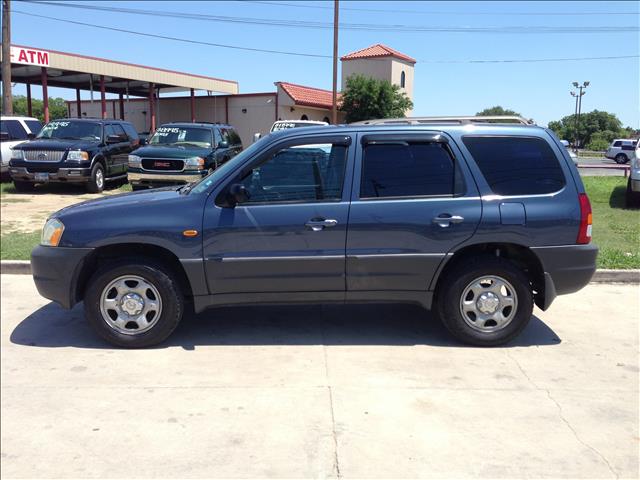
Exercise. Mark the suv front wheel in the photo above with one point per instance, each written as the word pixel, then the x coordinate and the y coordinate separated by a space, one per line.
pixel 486 301
pixel 133 304
pixel 96 182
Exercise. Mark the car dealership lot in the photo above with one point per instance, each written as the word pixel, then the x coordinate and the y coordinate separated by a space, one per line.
pixel 322 391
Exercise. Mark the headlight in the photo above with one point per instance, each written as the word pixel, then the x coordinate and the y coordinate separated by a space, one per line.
pixel 194 162
pixel 77 155
pixel 18 154
pixel 52 232
pixel 135 161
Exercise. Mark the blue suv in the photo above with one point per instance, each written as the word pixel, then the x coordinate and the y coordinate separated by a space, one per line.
pixel 476 221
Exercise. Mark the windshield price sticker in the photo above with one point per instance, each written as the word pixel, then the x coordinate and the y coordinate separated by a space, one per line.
pixel 54 125
pixel 164 131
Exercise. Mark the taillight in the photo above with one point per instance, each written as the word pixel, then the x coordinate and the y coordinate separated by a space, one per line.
pixel 586 219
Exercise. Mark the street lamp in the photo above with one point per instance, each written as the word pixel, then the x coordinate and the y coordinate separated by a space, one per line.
pixel 578 97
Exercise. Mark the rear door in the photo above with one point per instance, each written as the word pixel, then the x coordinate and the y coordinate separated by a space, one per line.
pixel 413 201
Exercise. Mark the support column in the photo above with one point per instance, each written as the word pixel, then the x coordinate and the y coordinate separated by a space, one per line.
pixel 78 103
pixel 45 93
pixel 121 107
pixel 226 109
pixel 103 100
pixel 152 110
pixel 193 106
pixel 29 108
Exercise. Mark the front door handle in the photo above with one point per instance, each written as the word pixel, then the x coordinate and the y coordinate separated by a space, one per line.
pixel 320 224
pixel 445 220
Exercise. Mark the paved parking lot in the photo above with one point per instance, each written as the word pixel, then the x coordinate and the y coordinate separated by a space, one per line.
pixel 322 391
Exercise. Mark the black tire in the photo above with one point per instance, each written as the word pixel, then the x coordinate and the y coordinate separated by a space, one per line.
pixel 621 158
pixel 631 198
pixel 24 186
pixel 160 277
pixel 455 282
pixel 97 180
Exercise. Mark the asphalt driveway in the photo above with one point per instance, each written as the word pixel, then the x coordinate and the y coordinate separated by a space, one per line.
pixel 321 391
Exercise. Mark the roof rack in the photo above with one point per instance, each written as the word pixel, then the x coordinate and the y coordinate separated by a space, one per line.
pixel 510 119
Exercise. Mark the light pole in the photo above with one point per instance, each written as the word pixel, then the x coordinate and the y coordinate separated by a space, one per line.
pixel 578 96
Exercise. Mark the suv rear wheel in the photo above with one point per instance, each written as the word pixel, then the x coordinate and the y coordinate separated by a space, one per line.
pixel 134 304
pixel 621 158
pixel 23 186
pixel 486 301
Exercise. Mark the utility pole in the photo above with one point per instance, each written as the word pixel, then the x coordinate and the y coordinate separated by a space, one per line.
pixel 7 100
pixel 578 96
pixel 334 107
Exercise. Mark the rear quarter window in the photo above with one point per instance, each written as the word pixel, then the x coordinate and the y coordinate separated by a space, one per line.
pixel 516 165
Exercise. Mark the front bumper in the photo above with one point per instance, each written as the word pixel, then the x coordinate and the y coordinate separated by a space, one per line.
pixel 59 175
pixel 55 272
pixel 567 269
pixel 149 178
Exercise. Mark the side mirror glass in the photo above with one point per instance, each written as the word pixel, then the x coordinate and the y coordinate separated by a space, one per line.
pixel 143 141
pixel 257 136
pixel 114 139
pixel 223 144
pixel 31 136
pixel 238 193
pixel 4 136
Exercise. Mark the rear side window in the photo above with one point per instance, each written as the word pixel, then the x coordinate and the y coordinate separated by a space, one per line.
pixel 617 144
pixel 131 132
pixel 15 130
pixel 234 137
pixel 406 170
pixel 516 165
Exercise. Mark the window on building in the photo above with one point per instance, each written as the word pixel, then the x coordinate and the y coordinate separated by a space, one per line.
pixel 402 79
pixel 406 169
pixel 516 165
pixel 326 119
pixel 304 117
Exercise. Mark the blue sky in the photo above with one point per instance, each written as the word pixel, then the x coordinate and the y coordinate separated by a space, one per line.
pixel 537 90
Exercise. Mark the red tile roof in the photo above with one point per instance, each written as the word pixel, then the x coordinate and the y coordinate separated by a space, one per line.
pixel 308 96
pixel 377 51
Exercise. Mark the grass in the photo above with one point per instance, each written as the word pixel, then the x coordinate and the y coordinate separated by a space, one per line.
pixel 18 245
pixel 616 229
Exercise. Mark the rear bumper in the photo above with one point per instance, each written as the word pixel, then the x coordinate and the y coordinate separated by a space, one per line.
pixel 567 269
pixel 55 272
pixel 635 185
pixel 60 175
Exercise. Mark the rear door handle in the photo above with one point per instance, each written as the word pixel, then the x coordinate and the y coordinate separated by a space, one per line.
pixel 320 224
pixel 445 220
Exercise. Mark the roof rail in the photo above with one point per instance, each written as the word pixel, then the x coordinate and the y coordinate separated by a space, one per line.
pixel 511 119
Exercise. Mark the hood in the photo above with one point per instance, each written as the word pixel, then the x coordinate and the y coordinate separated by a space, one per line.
pixel 56 144
pixel 171 151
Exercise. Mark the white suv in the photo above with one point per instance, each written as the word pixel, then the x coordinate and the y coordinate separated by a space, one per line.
pixel 15 130
pixel 621 150
pixel 633 185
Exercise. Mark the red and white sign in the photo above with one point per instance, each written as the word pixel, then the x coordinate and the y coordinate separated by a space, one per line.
pixel 29 56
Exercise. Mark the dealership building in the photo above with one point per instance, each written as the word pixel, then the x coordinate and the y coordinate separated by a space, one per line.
pixel 146 96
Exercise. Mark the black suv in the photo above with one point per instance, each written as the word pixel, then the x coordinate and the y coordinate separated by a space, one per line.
pixel 180 153
pixel 90 151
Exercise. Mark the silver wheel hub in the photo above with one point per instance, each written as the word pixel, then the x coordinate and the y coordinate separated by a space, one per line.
pixel 130 305
pixel 488 303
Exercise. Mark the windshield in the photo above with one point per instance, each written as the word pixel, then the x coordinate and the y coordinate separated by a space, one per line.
pixel 70 130
pixel 224 169
pixel 198 137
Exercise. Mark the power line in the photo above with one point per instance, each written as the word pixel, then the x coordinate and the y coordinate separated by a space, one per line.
pixel 312 55
pixel 348 26
pixel 431 12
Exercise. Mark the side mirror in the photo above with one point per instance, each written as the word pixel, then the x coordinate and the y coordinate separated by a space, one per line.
pixel 31 136
pixel 238 193
pixel 223 144
pixel 4 136
pixel 143 141
pixel 256 137
pixel 114 139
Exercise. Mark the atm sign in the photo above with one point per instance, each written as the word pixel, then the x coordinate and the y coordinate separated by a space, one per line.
pixel 29 56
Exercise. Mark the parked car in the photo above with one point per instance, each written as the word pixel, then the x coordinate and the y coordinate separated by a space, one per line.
pixel 633 184
pixel 287 124
pixel 571 153
pixel 621 150
pixel 179 153
pixel 14 130
pixel 476 222
pixel 89 151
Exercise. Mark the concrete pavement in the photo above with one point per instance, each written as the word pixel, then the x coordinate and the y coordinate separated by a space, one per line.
pixel 322 391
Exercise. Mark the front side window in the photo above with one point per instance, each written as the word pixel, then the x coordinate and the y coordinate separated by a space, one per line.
pixel 14 129
pixel 516 165
pixel 72 130
pixel 403 169
pixel 301 173
pixel 188 136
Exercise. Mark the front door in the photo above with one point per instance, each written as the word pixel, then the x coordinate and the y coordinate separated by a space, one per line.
pixel 117 153
pixel 289 236
pixel 413 200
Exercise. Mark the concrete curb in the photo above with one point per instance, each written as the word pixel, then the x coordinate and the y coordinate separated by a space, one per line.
pixel 23 267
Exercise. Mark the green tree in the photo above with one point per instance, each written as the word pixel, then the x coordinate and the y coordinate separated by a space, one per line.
pixel 366 98
pixel 589 124
pixel 57 107
pixel 497 110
